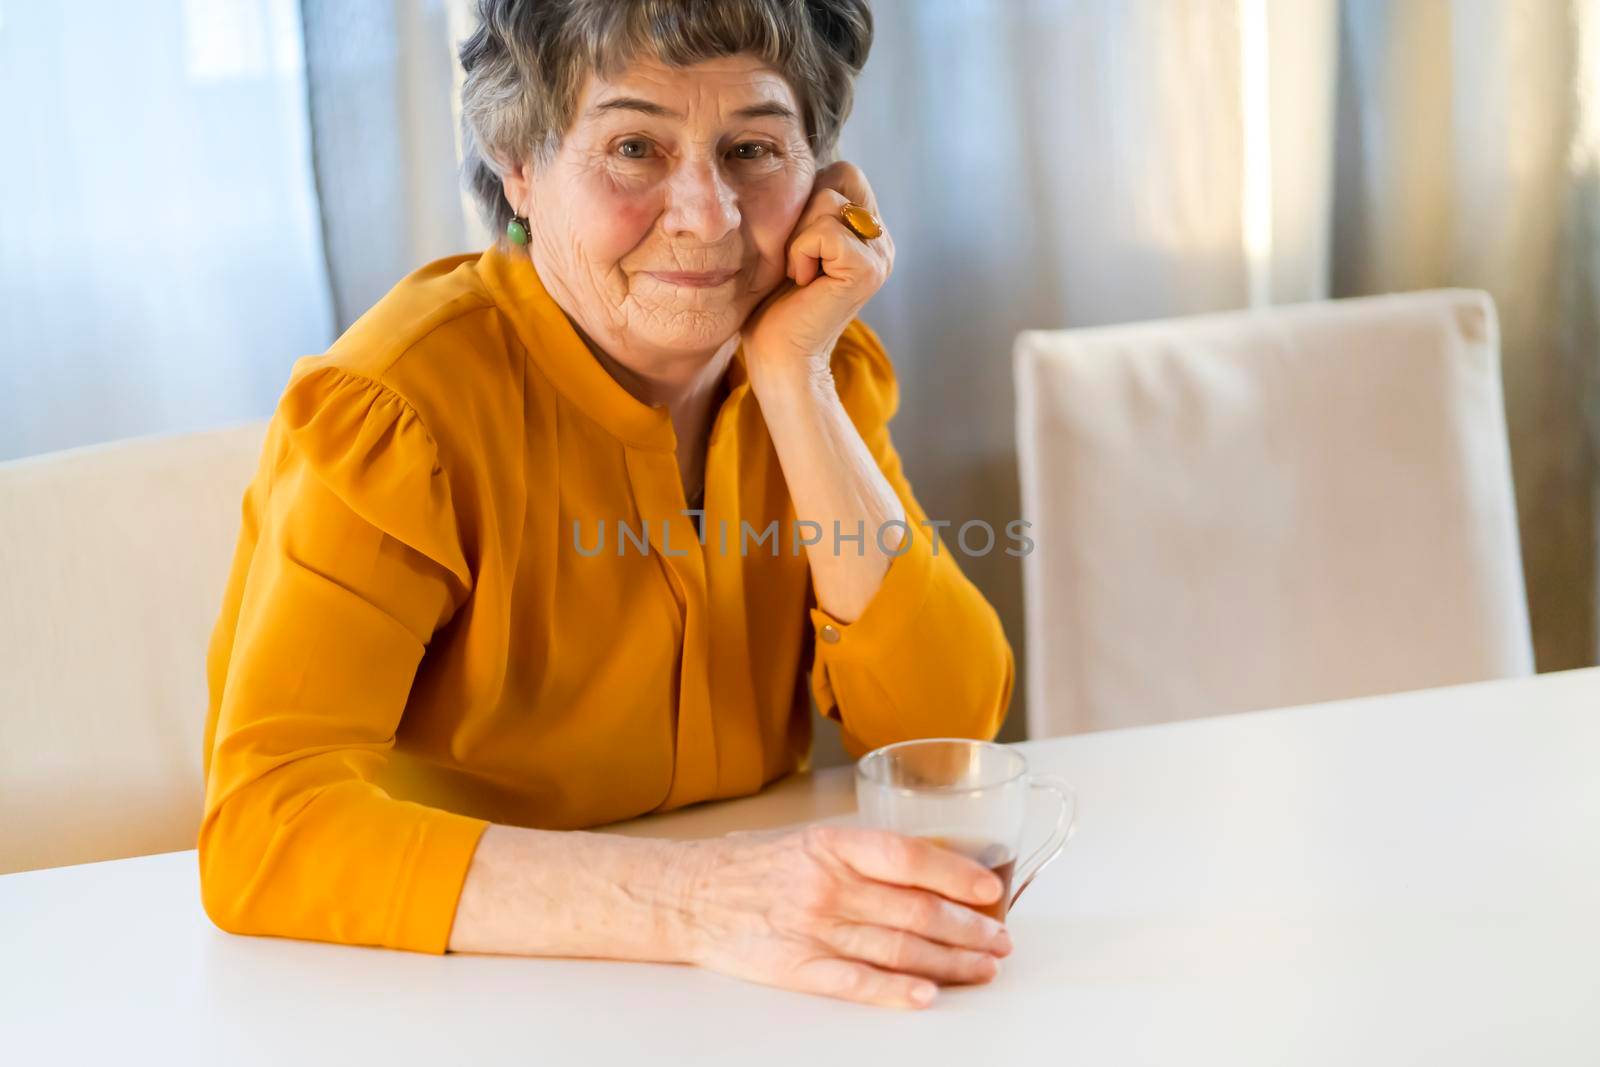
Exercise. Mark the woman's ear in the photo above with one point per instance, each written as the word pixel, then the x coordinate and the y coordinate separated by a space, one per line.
pixel 518 184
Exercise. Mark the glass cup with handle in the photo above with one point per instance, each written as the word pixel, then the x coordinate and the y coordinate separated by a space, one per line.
pixel 967 796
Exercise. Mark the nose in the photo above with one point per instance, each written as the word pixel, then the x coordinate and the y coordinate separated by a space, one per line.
pixel 701 205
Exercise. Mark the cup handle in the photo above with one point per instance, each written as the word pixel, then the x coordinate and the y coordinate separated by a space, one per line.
pixel 1066 823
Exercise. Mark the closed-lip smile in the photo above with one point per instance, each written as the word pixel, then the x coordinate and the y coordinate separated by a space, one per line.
pixel 694 280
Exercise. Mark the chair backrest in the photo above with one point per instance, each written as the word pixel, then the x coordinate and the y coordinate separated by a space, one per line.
pixel 113 560
pixel 1258 509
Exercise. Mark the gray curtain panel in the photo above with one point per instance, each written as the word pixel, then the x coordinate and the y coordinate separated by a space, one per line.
pixel 378 84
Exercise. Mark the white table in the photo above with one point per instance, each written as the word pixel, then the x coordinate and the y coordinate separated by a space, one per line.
pixel 1405 879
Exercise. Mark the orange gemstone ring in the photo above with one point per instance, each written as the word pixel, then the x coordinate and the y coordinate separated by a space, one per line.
pixel 861 222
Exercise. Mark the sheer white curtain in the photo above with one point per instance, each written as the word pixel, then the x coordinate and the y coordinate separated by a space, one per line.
pixel 378 74
pixel 161 260
pixel 1052 163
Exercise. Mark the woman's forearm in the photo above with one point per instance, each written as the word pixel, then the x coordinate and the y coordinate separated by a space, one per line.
pixel 843 911
pixel 832 478
pixel 568 893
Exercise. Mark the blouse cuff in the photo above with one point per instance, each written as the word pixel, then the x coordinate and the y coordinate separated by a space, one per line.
pixel 891 613
pixel 433 881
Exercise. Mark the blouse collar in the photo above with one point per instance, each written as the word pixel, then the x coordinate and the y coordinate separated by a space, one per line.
pixel 558 349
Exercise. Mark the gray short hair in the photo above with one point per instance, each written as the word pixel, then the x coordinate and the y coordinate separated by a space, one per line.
pixel 527 61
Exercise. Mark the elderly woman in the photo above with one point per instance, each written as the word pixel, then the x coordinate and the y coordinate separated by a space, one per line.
pixel 555 533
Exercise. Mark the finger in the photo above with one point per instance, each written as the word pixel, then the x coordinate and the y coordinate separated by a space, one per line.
pixel 829 204
pixel 864 983
pixel 837 185
pixel 849 181
pixel 805 252
pixel 823 205
pixel 906 953
pixel 827 247
pixel 847 185
pixel 900 860
pixel 925 914
pixel 802 268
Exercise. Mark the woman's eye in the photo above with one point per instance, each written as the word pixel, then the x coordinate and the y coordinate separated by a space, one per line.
pixel 755 151
pixel 627 149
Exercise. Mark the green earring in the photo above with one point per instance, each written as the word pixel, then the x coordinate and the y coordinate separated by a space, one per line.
pixel 517 230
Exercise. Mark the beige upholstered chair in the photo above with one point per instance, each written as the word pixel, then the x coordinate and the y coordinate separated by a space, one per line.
pixel 113 560
pixel 1258 509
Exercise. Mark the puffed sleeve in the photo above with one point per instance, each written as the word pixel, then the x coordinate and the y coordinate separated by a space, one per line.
pixel 927 657
pixel 356 562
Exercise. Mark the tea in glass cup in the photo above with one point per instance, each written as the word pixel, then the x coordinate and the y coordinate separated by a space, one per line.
pixel 967 796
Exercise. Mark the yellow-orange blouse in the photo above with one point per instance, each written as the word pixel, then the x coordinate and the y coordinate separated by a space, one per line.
pixel 415 640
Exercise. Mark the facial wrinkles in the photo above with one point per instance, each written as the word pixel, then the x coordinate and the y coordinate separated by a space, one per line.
pixel 698 230
pixel 693 204
pixel 601 285
pixel 717 214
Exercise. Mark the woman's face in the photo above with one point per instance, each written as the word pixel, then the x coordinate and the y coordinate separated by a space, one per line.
pixel 664 217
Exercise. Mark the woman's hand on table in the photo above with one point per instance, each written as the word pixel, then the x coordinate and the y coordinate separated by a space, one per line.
pixel 859 914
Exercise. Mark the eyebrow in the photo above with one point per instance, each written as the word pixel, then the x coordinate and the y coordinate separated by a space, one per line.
pixel 764 109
